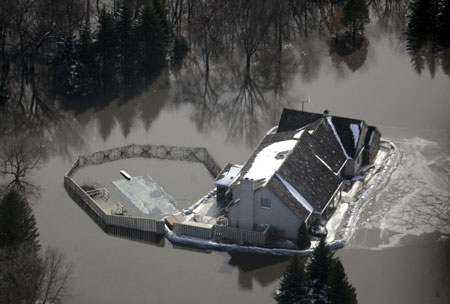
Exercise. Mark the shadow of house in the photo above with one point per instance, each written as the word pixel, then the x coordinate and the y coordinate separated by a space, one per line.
pixel 260 268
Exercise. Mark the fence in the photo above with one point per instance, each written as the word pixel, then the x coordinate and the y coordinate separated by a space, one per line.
pixel 142 229
pixel 194 229
pixel 105 220
pixel 241 236
pixel 190 154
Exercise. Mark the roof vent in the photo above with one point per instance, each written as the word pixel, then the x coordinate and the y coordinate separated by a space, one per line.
pixel 325 113
pixel 281 155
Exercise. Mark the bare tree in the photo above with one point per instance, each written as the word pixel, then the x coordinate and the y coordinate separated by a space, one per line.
pixel 27 277
pixel 19 156
pixel 55 276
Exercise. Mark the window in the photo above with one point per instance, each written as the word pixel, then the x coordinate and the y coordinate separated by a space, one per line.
pixel 266 203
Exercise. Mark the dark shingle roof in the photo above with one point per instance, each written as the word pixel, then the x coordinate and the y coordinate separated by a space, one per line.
pixel 325 145
pixel 342 126
pixel 308 175
pixel 370 131
pixel 293 119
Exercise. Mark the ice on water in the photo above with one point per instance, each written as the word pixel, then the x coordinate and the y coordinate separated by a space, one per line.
pixel 415 201
pixel 147 196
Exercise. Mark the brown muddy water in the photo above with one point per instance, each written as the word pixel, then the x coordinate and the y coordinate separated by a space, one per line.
pixel 394 256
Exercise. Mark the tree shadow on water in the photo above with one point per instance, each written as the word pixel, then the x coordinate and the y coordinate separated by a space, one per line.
pixel 264 269
pixel 349 50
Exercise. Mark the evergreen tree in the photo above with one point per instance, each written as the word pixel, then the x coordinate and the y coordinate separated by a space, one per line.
pixel 356 16
pixel 106 48
pixel 86 65
pixel 444 23
pixel 423 22
pixel 320 267
pixel 293 287
pixel 180 49
pixel 161 12
pixel 127 42
pixel 153 39
pixel 303 240
pixel 63 64
pixel 340 290
pixel 17 223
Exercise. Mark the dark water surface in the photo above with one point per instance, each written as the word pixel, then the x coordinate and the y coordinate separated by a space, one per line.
pixel 390 259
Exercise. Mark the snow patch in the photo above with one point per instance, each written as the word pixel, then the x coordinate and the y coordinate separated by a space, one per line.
pixel 335 221
pixel 230 176
pixel 273 130
pixel 211 245
pixel 298 134
pixel 355 132
pixel 266 162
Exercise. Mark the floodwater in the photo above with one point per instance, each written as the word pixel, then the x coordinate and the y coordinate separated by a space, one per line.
pixel 396 254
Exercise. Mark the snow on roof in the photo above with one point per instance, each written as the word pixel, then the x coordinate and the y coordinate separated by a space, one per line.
pixel 273 130
pixel 229 176
pixel 323 162
pixel 355 133
pixel 269 159
pixel 330 122
pixel 296 194
pixel 299 134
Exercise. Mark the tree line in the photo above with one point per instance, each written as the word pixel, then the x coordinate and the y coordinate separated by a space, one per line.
pixel 66 48
pixel 128 48
pixel 322 281
pixel 428 41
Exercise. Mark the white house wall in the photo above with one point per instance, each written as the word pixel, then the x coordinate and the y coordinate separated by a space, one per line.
pixel 233 215
pixel 246 205
pixel 279 216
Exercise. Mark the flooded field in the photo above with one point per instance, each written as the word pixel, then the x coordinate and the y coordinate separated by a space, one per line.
pixel 397 254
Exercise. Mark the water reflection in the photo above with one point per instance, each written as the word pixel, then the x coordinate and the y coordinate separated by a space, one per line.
pixel 428 42
pixel 353 54
pixel 19 157
pixel 260 268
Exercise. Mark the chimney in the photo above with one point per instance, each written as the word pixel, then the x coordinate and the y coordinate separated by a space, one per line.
pixel 246 204
pixel 326 113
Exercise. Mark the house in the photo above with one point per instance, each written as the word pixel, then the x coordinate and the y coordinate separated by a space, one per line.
pixel 296 173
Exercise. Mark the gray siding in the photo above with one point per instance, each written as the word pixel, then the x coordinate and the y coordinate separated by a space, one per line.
pixel 352 166
pixel 246 205
pixel 279 216
pixel 234 215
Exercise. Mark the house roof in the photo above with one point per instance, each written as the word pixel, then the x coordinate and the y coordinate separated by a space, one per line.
pixel 269 155
pixel 308 175
pixel 349 132
pixel 371 130
pixel 293 120
pixel 228 175
pixel 300 167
